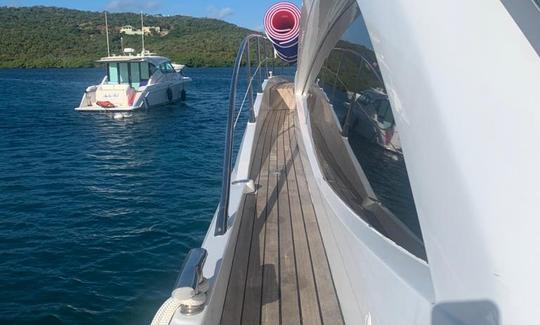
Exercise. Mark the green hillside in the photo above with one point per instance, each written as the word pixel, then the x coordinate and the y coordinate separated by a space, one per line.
pixel 55 37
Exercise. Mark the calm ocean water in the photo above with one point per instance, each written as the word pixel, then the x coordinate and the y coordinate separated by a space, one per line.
pixel 97 214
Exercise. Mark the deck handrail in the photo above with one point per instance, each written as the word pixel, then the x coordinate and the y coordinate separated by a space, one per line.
pixel 223 210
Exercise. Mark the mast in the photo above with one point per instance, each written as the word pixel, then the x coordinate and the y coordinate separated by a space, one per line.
pixel 107 33
pixel 142 30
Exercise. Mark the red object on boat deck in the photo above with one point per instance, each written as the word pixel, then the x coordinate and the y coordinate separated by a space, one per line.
pixel 105 104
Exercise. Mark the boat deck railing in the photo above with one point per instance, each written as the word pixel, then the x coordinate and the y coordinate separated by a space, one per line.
pixel 260 56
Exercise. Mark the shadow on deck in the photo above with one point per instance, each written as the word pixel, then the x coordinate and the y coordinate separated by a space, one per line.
pixel 280 272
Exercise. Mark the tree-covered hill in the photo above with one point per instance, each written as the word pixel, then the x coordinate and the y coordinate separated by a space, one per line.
pixel 56 37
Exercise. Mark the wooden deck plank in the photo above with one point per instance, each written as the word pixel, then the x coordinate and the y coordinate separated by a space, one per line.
pixel 271 294
pixel 290 311
pixel 232 312
pixel 328 301
pixel 308 293
pixel 280 273
pixel 251 311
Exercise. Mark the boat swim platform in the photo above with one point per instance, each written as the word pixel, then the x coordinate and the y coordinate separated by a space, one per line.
pixel 280 272
pixel 99 109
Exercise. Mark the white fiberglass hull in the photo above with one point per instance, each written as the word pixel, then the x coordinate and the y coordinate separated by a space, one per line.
pixel 99 109
pixel 151 96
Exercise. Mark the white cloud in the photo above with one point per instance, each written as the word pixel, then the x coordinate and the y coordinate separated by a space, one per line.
pixel 218 13
pixel 132 5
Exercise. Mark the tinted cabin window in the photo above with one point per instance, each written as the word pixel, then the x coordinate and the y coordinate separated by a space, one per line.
pixel 112 73
pixel 136 74
pixel 135 68
pixel 372 180
pixel 124 72
pixel 166 67
pixel 145 71
pixel 152 69
pixel 526 14
pixel 162 68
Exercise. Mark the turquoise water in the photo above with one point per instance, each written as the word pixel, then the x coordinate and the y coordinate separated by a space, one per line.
pixel 96 214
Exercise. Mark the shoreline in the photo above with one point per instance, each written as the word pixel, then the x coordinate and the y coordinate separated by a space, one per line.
pixel 94 67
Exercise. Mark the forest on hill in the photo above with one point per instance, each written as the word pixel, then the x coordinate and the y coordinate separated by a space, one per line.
pixel 43 37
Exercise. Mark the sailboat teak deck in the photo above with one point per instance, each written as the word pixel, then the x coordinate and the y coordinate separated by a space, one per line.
pixel 280 272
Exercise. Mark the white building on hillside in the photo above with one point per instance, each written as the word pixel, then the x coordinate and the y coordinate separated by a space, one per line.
pixel 130 30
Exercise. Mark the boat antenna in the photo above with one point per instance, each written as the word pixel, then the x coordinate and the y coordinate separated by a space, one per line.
pixel 142 30
pixel 107 33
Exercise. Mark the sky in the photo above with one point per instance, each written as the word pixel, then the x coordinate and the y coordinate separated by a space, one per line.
pixel 245 13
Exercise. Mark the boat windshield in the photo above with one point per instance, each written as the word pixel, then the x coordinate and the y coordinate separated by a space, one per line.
pixel 166 67
pixel 136 74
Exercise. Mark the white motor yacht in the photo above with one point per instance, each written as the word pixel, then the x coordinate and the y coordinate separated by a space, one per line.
pixel 135 81
pixel 317 226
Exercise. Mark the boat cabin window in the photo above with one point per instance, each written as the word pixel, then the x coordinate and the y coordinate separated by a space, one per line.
pixel 166 67
pixel 370 175
pixel 145 71
pixel 112 72
pixel 124 72
pixel 135 69
pixel 136 74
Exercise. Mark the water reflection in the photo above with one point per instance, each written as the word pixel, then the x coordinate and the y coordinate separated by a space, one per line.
pixel 352 81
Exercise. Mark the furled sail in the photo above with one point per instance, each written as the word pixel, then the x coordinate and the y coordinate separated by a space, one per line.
pixel 282 26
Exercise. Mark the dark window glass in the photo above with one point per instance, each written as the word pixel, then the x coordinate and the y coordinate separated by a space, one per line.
pixel 135 75
pixel 145 71
pixel 374 182
pixel 124 73
pixel 526 14
pixel 166 67
pixel 152 68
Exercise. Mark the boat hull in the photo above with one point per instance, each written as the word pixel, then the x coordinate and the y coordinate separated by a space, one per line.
pixel 99 109
pixel 152 96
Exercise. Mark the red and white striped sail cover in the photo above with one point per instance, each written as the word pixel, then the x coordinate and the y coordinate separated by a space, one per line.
pixel 282 26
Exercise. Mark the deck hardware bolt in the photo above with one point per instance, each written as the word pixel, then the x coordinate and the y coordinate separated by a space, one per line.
pixel 249 188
